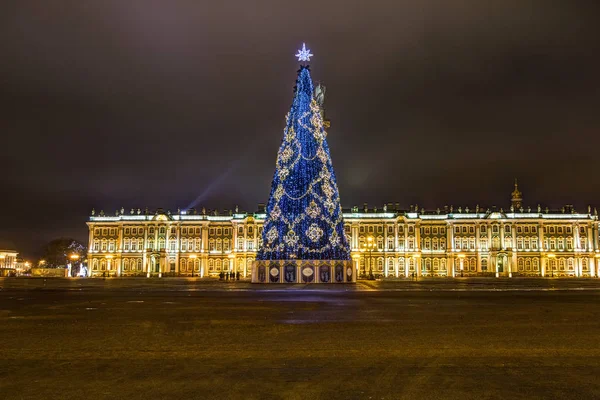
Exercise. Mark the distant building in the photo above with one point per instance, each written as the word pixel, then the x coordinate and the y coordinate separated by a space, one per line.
pixel 8 262
pixel 387 241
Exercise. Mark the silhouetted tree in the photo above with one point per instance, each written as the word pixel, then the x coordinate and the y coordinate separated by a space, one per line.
pixel 58 251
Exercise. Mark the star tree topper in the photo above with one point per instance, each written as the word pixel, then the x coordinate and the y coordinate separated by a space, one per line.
pixel 304 54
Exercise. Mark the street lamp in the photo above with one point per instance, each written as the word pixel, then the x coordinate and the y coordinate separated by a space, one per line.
pixel 231 256
pixel 369 246
pixel 73 257
pixel 462 262
pixel 551 255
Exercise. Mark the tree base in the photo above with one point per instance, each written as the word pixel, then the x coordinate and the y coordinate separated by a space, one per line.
pixel 303 271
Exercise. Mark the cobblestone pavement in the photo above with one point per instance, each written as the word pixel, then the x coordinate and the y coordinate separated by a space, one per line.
pixel 204 339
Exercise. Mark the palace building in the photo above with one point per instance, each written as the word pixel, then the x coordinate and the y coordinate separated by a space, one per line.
pixel 387 242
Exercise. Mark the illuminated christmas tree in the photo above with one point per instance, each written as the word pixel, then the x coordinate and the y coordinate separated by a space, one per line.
pixel 304 219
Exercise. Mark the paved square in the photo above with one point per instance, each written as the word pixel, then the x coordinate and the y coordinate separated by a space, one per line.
pixel 171 338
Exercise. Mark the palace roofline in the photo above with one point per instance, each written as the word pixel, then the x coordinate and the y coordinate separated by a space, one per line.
pixel 349 214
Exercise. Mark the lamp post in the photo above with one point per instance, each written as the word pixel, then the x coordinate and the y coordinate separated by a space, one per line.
pixel 231 257
pixel 73 257
pixel 551 255
pixel 461 258
pixel 417 258
pixel 368 247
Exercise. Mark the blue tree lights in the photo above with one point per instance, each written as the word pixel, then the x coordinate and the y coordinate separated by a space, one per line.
pixel 304 218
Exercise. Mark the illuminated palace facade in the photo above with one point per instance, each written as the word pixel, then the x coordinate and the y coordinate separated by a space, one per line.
pixel 386 242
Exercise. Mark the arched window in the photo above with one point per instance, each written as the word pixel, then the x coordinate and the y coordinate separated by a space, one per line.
pixel 584 264
pixel 411 242
pixel 380 264
pixel 172 244
pixel 226 245
pixel 183 265
pixel 569 243
pixel 552 244
pixel 126 244
pixel 95 265
pixel 484 264
pixel 111 245
pixel 104 245
pixel 436 264
pixel 380 243
pixel 96 245
pixel 219 245
pixel 161 244
pixel 435 244
pixel 218 264
pixel 428 264
pixel 561 243
pixel 126 264
pixel 211 265
pixel 443 265
pixel 520 264
pixel 520 243
pixel 390 243
pixel 139 264
pixel 457 244
pixel 561 264
pixel 472 243
pixel 570 264
pixel 103 265
pixel 536 264
pixel 390 265
pixel 528 265
pixel 534 243
pixel 151 244
pixel 427 244
pixel 473 264
pixel 465 243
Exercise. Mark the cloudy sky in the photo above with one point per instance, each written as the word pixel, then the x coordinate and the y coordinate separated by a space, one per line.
pixel 167 103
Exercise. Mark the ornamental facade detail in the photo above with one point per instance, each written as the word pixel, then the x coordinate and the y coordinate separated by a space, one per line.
pixel 387 243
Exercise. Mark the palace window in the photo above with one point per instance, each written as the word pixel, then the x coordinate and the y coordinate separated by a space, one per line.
pixel 240 243
pixel 379 229
pixel 198 231
pixel 390 243
pixel 250 230
pixel 127 231
pixel 411 229
pixel 551 229
pixel 434 244
pixel 126 244
pixel 552 244
pixel 560 229
pixel 427 231
pixel 226 245
pixel 561 243
pixel 219 244
pixel 162 230
pixel 427 245
pixel 457 229
pixel 534 243
pixel 172 244
pixel 390 229
pixel 105 232
pixel 472 243
pixel 434 230
pixel 361 229
pixel 569 243
pixel 464 229
pixel 184 244
pixel 471 229
pixel 250 245
pixel 379 243
pixel 371 229
pixel 96 245
pixel 104 245
pixel 220 231
pixel 111 246
pixel 211 245
pixel 442 243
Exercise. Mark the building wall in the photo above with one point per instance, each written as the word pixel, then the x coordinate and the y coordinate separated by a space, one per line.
pixel 405 244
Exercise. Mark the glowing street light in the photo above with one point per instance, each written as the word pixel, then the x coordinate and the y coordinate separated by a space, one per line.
pixel 369 246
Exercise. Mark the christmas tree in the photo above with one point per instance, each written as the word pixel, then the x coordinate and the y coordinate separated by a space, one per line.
pixel 304 219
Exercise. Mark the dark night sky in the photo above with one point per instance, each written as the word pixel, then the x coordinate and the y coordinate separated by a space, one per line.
pixel 153 103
